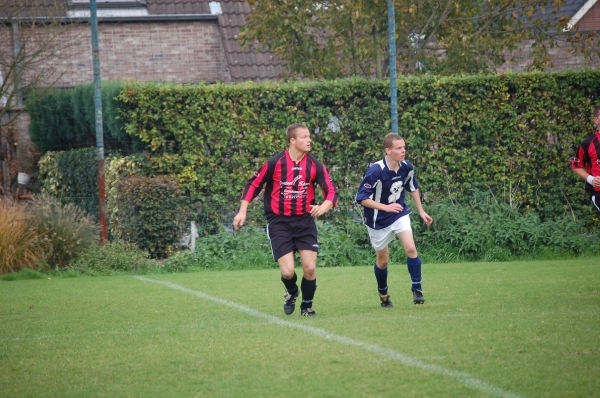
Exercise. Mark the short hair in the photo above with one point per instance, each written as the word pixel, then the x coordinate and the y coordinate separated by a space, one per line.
pixel 290 132
pixel 596 111
pixel 388 140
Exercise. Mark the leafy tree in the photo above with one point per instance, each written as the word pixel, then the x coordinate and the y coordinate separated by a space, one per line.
pixel 337 38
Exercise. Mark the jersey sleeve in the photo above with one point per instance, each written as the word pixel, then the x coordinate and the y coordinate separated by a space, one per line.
pixel 327 186
pixel 368 184
pixel 411 184
pixel 578 162
pixel 255 184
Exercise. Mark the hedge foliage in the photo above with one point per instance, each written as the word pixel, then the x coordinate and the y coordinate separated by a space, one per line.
pixel 71 176
pixel 150 213
pixel 64 119
pixel 510 134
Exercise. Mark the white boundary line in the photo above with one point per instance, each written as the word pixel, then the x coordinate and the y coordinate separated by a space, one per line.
pixel 464 378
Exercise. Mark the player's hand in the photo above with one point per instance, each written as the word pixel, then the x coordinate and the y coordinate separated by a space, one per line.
pixel 239 220
pixel 317 210
pixel 426 218
pixel 394 208
pixel 596 182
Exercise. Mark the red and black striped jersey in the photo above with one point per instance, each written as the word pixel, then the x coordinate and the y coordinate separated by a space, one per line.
pixel 587 158
pixel 290 186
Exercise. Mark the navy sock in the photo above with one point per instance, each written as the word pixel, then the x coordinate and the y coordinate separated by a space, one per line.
pixel 414 269
pixel 308 292
pixel 381 276
pixel 290 284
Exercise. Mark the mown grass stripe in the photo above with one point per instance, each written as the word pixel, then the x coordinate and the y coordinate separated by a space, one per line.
pixel 464 378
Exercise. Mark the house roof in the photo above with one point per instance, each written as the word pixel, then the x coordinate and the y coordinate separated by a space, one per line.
pixel 569 9
pixel 580 12
pixel 251 63
pixel 32 8
pixel 163 7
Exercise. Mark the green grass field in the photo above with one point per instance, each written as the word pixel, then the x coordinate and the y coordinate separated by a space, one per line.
pixel 519 329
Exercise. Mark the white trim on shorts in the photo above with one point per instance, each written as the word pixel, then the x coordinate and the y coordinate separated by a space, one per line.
pixel 380 238
pixel 596 205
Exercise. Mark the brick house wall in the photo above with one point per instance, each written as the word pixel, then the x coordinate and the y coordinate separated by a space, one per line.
pixel 169 51
pixel 166 51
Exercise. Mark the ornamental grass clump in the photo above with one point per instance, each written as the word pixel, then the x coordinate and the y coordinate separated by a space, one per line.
pixel 19 239
pixel 66 230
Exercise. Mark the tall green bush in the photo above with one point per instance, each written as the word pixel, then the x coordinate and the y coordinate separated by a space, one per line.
pixel 64 119
pixel 151 213
pixel 72 177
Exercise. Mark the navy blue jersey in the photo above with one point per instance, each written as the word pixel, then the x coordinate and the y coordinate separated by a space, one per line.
pixel 386 186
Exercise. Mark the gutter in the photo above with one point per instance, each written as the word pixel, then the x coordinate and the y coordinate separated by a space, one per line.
pixel 140 18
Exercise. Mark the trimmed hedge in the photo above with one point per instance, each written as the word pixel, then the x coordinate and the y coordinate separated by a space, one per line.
pixel 63 119
pixel 510 134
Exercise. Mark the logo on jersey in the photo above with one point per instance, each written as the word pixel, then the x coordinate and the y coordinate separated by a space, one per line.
pixel 296 168
pixel 395 191
pixel 296 189
pixel 368 186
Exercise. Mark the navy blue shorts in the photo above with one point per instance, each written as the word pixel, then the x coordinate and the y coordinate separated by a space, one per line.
pixel 289 234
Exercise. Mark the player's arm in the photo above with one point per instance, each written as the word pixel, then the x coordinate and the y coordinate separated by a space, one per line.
pixel 251 190
pixel 578 167
pixel 330 194
pixel 367 190
pixel 373 204
pixel 587 177
pixel 417 200
pixel 240 217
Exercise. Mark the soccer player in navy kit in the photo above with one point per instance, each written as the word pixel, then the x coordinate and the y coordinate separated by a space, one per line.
pixel 382 193
pixel 586 164
pixel 291 209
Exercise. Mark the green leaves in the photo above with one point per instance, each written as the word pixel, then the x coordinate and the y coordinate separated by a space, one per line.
pixel 472 132
pixel 343 38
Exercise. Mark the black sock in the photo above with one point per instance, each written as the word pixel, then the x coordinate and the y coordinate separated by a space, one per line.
pixel 290 284
pixel 381 276
pixel 308 292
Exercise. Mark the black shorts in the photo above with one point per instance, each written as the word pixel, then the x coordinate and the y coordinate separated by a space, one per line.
pixel 289 234
pixel 595 197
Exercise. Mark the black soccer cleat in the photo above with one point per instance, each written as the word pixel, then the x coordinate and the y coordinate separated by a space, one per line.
pixel 418 297
pixel 385 301
pixel 289 305
pixel 308 312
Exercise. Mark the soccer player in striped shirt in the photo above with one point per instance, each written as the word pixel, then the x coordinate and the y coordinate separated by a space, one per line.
pixel 586 163
pixel 290 206
pixel 382 194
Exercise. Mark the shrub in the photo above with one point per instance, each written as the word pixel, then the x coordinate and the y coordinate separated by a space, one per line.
pixel 248 249
pixel 150 213
pixel 19 240
pixel 67 230
pixel 113 257
pixel 484 229
pixel 72 177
